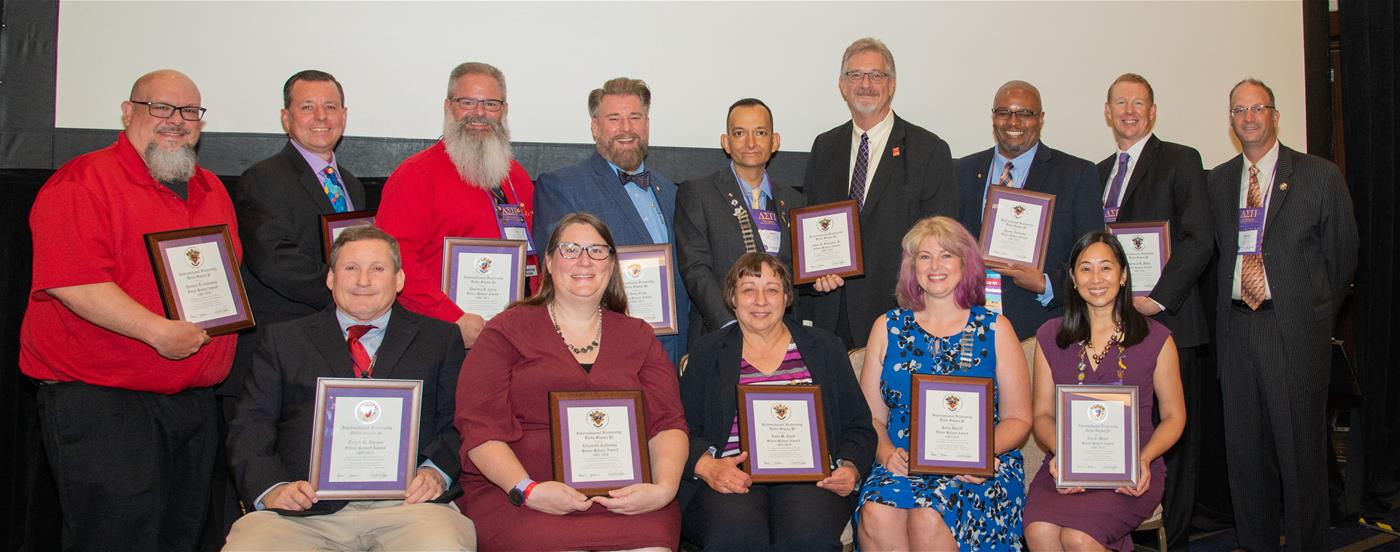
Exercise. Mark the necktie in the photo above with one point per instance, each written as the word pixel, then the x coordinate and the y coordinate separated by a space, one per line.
pixel 334 191
pixel 1116 189
pixel 858 175
pixel 1252 266
pixel 363 363
pixel 756 194
pixel 1006 179
pixel 641 179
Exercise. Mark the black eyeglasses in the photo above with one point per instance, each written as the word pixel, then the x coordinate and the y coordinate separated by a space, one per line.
pixel 596 251
pixel 1002 114
pixel 165 110
pixel 468 104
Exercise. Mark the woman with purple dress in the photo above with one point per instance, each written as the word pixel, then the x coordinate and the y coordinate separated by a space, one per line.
pixel 1102 340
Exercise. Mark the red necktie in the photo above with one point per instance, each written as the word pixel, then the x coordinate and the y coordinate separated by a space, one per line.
pixel 363 363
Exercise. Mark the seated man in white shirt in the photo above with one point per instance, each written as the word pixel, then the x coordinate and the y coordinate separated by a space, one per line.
pixel 364 335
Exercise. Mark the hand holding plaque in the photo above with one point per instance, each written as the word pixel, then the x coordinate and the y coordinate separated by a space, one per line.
pixel 599 440
pixel 950 426
pixel 1096 436
pixel 1148 246
pixel 826 241
pixel 1016 226
pixel 364 440
pixel 649 280
pixel 783 430
pixel 198 278
pixel 483 276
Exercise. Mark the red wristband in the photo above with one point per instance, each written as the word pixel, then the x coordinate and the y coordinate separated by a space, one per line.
pixel 526 493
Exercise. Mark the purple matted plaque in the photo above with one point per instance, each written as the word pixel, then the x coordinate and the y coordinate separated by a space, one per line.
pixel 1148 245
pixel 950 425
pixel 198 278
pixel 826 241
pixel 1016 226
pixel 1096 436
pixel 599 440
pixel 364 442
pixel 482 276
pixel 783 428
pixel 333 225
pixel 648 277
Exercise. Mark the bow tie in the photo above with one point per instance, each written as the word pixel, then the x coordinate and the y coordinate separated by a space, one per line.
pixel 641 179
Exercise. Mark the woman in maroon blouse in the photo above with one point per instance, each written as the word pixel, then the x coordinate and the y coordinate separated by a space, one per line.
pixel 572 336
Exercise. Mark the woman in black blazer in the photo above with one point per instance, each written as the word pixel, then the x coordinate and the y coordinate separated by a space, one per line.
pixel 723 509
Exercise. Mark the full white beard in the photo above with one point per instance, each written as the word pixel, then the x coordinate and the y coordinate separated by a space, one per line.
pixel 170 165
pixel 482 158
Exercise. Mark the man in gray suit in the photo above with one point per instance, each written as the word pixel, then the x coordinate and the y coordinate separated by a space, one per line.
pixel 637 204
pixel 734 211
pixel 1287 240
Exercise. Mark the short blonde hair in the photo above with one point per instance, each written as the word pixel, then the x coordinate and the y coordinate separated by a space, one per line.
pixel 620 86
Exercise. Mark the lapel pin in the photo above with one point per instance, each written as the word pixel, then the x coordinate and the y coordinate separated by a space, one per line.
pixel 895 152
pixel 1283 186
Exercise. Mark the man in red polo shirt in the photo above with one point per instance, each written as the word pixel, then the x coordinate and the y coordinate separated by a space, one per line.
pixel 467 185
pixel 126 407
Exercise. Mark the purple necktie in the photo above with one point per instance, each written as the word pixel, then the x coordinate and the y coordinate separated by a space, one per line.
pixel 858 175
pixel 1115 189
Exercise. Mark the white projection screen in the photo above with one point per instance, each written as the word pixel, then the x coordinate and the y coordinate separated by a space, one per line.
pixel 393 58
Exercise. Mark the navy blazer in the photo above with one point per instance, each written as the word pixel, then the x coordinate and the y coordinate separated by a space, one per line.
pixel 709 393
pixel 593 187
pixel 269 440
pixel 1078 211
pixel 1168 184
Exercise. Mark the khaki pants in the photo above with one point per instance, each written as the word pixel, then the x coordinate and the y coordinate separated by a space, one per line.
pixel 361 525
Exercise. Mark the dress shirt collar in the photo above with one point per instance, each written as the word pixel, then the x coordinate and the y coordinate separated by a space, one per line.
pixel 379 323
pixel 317 164
pixel 1020 166
pixel 765 186
pixel 876 134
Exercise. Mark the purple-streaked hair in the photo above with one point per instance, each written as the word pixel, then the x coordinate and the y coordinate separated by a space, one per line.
pixel 953 238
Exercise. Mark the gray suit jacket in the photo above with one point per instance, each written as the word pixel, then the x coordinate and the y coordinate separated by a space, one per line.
pixel 1168 184
pixel 1310 246
pixel 709 240
pixel 593 187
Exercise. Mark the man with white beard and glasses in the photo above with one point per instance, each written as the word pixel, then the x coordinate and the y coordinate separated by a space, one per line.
pixel 126 401
pixel 467 185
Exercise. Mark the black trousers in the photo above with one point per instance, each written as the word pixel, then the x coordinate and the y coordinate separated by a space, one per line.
pixel 1274 439
pixel 776 516
pixel 132 468
pixel 1184 459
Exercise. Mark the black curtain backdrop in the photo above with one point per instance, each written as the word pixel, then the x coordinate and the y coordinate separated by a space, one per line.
pixel 1369 68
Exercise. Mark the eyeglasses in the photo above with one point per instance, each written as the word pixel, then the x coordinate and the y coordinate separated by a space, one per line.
pixel 1257 109
pixel 876 77
pixel 1002 114
pixel 596 251
pixel 165 110
pixel 468 104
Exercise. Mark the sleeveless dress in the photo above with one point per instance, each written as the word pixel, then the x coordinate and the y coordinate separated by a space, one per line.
pixel 1107 516
pixel 981 517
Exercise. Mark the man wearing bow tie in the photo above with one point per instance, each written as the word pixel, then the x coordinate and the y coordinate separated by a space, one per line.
pixel 637 204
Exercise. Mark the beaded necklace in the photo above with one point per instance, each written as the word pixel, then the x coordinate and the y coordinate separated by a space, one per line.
pixel 1116 342
pixel 578 350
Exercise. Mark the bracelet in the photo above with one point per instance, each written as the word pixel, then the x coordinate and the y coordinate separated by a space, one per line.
pixel 526 493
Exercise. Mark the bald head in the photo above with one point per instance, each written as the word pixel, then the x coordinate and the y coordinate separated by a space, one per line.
pixel 1018 85
pixel 1016 118
pixel 165 142
pixel 161 79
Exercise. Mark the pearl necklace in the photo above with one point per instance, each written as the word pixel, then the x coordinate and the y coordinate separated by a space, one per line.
pixel 578 350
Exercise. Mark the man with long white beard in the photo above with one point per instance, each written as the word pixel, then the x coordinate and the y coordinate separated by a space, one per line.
pixel 467 185
pixel 126 403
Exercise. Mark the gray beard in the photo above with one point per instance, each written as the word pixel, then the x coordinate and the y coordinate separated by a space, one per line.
pixel 170 165
pixel 482 158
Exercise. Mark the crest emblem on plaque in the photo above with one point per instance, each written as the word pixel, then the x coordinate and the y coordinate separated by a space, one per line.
pixel 1137 243
pixel 634 270
pixel 1098 412
pixel 483 265
pixel 824 223
pixel 1018 210
pixel 368 411
pixel 781 411
pixel 953 402
pixel 598 418
pixel 193 257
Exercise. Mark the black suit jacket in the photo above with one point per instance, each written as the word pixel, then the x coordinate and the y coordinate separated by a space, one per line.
pixel 269 441
pixel 279 202
pixel 914 181
pixel 1310 245
pixel 1167 183
pixel 709 240
pixel 1078 211
pixel 708 391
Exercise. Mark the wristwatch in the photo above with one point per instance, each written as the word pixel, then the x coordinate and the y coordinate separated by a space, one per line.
pixel 521 491
pixel 840 462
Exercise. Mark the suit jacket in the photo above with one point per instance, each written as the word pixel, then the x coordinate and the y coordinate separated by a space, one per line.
pixel 279 202
pixel 913 181
pixel 1167 183
pixel 1310 246
pixel 269 441
pixel 709 241
pixel 1078 211
pixel 593 187
pixel 708 391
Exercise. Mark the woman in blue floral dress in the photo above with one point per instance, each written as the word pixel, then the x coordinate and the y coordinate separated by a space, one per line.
pixel 939 319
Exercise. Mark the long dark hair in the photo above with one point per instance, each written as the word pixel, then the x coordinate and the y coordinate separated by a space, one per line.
pixel 1076 322
pixel 614 297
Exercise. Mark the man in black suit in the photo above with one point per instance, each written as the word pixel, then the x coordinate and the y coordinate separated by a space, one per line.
pixel 897 172
pixel 364 334
pixel 1288 241
pixel 1147 179
pixel 734 211
pixel 1021 160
